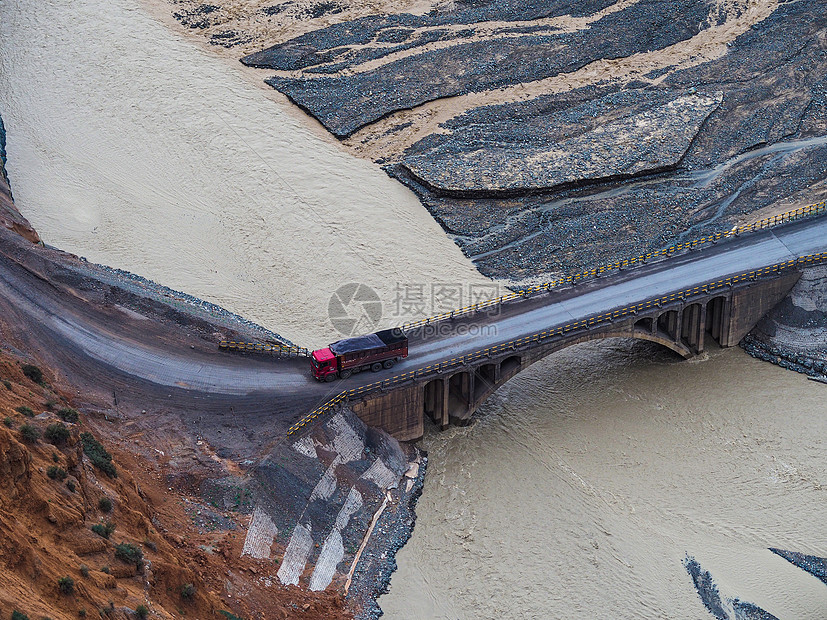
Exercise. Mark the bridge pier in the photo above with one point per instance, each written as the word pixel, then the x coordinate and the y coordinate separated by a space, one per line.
pixel 460 391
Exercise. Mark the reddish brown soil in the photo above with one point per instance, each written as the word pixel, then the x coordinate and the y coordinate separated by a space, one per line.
pixel 45 527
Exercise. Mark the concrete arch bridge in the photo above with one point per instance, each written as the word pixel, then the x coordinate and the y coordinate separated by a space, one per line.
pixel 715 294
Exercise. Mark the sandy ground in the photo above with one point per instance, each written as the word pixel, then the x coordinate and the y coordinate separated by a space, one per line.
pixel 132 147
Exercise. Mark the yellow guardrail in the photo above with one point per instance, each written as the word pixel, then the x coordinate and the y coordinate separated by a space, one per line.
pixel 557 331
pixel 802 212
pixel 258 347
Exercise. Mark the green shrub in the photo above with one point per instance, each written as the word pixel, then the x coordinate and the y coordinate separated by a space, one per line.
pixel 98 455
pixel 187 591
pixel 84 570
pixel 105 569
pixel 69 415
pixel 142 611
pixel 129 553
pixel 7 384
pixel 33 372
pixel 70 484
pixel 66 585
pixel 81 613
pixel 56 473
pixel 9 422
pixel 228 615
pixel 26 411
pixel 29 433
pixel 105 504
pixel 104 529
pixel 18 615
pixel 57 433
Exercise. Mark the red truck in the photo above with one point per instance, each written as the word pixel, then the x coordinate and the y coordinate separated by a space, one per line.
pixel 344 357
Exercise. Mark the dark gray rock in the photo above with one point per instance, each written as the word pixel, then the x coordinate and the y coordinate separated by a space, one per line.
pixel 345 103
pixel 650 140
pixel 813 564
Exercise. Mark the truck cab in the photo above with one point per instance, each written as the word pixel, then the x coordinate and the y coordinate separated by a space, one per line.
pixel 324 364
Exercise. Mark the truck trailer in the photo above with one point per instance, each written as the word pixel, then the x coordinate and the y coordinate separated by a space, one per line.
pixel 372 351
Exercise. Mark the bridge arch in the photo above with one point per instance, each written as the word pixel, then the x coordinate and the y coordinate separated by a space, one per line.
pixel 482 387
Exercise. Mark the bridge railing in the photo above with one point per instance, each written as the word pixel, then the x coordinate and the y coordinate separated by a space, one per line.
pixel 259 347
pixel 572 279
pixel 539 337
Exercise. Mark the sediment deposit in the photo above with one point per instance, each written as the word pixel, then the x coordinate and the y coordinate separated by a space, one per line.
pixel 522 127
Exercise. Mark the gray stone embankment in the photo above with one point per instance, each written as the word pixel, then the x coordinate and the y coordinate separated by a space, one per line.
pixel 9 215
pixel 794 334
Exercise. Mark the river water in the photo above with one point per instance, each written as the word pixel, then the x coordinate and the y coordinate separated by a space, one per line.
pixel 133 147
pixel 585 481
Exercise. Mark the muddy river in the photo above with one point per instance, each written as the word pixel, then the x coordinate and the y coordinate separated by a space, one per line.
pixel 131 146
pixel 585 482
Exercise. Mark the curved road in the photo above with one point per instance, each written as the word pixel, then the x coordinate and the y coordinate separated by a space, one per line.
pixel 99 340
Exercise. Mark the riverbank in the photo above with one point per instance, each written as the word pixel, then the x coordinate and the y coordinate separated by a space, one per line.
pixel 10 217
pixel 231 483
pixel 794 334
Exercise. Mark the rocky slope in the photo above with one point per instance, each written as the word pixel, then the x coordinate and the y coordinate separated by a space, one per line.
pixel 187 558
pixel 230 491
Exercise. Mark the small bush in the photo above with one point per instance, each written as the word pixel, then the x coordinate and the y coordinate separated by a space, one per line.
pixel 129 553
pixel 84 570
pixel 33 372
pixel 104 529
pixel 69 415
pixel 50 404
pixel 26 411
pixel 55 457
pixel 98 455
pixel 105 504
pixel 57 433
pixel 7 384
pixel 228 615
pixel 56 473
pixel 9 422
pixel 142 611
pixel 187 591
pixel 29 433
pixel 18 615
pixel 66 585
pixel 70 484
pixel 81 613
pixel 150 545
pixel 105 569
